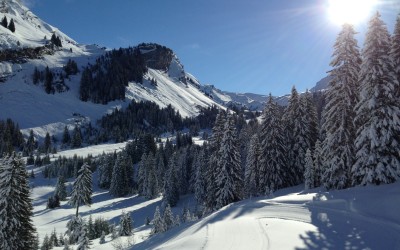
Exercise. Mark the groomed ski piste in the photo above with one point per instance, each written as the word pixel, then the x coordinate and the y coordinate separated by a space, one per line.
pixel 355 218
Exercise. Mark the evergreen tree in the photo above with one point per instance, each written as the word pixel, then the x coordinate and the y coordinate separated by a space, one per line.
pixel 274 172
pixel 103 238
pixel 200 188
pixel 76 140
pixel 48 84
pixel 229 179
pixel 106 165
pixel 74 229
pixel 171 187
pixel 252 167
pixel 338 146
pixel 121 181
pixel 310 119
pixel 395 52
pixel 125 224
pixel 83 240
pixel 377 112
pixel 309 171
pixel 46 245
pixel 158 222
pixel 66 138
pixel 82 188
pixel 47 143
pixel 296 137
pixel 215 144
pixel 16 227
pixel 91 233
pixel 168 218
pixel 61 190
pixel 318 164
pixel 11 26
pixel 4 22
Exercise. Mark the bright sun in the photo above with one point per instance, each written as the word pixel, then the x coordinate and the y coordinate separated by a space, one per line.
pixel 350 11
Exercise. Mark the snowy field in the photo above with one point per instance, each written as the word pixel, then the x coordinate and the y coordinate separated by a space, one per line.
pixel 357 218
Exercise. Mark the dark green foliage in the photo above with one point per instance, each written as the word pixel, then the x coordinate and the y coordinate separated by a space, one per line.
pixel 106 80
pixel 82 188
pixel 11 138
pixel 66 138
pixel 47 143
pixel 125 224
pixel 76 140
pixel 4 22
pixel 71 68
pixel 53 202
pixel 56 40
pixel 48 84
pixel 11 26
pixel 122 175
pixel 16 227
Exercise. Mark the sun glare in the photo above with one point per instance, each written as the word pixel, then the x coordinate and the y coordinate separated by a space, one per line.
pixel 350 11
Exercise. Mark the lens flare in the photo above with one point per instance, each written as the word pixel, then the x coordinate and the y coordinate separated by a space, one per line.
pixel 350 11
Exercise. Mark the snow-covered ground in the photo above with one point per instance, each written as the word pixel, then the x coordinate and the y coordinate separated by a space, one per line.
pixel 356 218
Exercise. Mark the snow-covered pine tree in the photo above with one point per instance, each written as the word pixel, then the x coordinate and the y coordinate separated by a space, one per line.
pixel 309 171
pixel 338 146
pixel 212 168
pixel 158 222
pixel 296 132
pixel 171 187
pixel 106 165
pixel 102 238
pixel 318 164
pixel 82 188
pixel 395 51
pixel 61 189
pixel 142 175
pixel 125 224
pixel 66 138
pixel 377 112
pixel 168 218
pixel 16 227
pixel 274 172
pixel 229 173
pixel 121 180
pixel 252 168
pixel 200 188
pixel 310 119
pixel 74 228
pixel 152 186
pixel 83 240
pixel 91 234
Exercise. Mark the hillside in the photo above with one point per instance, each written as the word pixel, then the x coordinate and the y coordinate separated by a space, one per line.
pixel 355 218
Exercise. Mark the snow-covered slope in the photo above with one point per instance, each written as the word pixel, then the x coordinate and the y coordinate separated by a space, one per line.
pixel 357 218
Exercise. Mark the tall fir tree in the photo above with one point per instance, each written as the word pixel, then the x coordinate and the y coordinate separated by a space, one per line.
pixel 228 178
pixel 61 189
pixel 16 227
pixel 318 164
pixel 66 138
pixel 125 224
pixel 296 137
pixel 200 188
pixel 338 146
pixel 309 171
pixel 121 181
pixel 158 222
pixel 215 144
pixel 171 186
pixel 395 51
pixel 106 165
pixel 82 189
pixel 252 168
pixel 11 25
pixel 4 22
pixel 168 218
pixel 377 112
pixel 274 170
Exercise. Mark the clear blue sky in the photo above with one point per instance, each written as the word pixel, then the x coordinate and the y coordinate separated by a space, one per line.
pixel 257 46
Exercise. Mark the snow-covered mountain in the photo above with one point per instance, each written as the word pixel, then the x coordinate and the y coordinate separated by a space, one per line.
pixel 31 107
